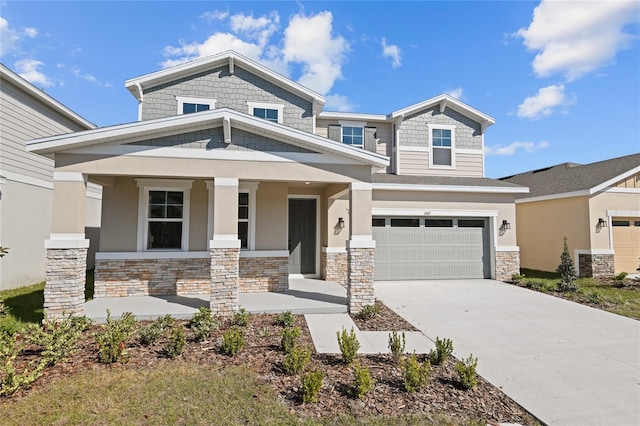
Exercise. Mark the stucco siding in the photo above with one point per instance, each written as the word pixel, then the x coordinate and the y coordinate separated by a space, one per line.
pixel 271 216
pixel 599 204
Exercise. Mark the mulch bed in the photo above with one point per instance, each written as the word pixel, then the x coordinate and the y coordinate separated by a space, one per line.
pixel 262 354
pixel 385 320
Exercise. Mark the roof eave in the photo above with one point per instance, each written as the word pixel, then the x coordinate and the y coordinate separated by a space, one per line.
pixel 448 101
pixel 450 188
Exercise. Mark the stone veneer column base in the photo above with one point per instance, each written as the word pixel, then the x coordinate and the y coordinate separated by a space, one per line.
pixel 224 280
pixel 333 266
pixel 360 278
pixel 65 282
pixel 596 265
pixel 262 274
pixel 507 264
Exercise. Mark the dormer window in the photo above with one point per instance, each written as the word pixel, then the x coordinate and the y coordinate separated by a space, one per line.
pixel 266 110
pixel 353 136
pixel 442 146
pixel 190 104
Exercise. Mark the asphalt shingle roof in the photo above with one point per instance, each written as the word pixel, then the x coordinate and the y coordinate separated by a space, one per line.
pixel 441 180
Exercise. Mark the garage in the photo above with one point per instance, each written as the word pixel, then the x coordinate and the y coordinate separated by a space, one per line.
pixel 414 248
pixel 626 243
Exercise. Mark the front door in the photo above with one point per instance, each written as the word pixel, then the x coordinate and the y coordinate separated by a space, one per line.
pixel 302 236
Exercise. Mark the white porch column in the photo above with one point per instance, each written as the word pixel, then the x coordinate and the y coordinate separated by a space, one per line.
pixel 360 248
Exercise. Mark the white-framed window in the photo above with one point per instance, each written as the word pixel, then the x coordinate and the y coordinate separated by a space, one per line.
pixel 267 110
pixel 246 213
pixel 191 104
pixel 163 214
pixel 442 146
pixel 352 133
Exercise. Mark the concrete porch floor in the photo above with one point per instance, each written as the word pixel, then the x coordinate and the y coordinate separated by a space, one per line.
pixel 305 296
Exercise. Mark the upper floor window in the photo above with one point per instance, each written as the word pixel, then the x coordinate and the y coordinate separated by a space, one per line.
pixel 266 110
pixel 442 146
pixel 353 136
pixel 189 104
pixel 266 113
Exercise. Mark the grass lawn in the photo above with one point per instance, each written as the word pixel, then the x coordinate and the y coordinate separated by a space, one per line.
pixel 619 300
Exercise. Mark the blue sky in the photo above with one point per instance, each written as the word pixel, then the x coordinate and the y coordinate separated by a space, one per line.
pixel 562 79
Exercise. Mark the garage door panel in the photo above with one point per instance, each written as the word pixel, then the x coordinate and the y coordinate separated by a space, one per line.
pixel 626 244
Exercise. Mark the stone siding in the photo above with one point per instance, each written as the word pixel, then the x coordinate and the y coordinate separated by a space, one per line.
pixel 596 265
pixel 224 280
pixel 334 267
pixel 507 264
pixel 261 274
pixel 360 273
pixel 65 282
pixel 152 277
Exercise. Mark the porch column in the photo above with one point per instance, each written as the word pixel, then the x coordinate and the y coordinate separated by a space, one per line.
pixel 66 248
pixel 360 248
pixel 225 247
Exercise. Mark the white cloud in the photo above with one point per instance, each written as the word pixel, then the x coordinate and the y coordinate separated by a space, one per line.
pixel 574 38
pixel 508 150
pixel 216 15
pixel 258 29
pixel 28 69
pixel 216 43
pixel 339 103
pixel 456 93
pixel 392 51
pixel 9 37
pixel 78 73
pixel 545 102
pixel 31 32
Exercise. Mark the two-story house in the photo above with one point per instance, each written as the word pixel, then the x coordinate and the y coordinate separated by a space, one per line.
pixel 234 179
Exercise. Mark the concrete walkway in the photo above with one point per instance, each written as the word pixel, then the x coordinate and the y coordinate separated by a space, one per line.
pixel 566 363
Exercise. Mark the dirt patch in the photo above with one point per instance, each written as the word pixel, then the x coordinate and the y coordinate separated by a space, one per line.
pixel 384 320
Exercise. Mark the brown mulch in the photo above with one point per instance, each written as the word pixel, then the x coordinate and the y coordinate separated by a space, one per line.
pixel 262 354
pixel 385 320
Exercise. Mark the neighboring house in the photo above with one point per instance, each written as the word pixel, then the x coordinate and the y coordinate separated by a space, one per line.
pixel 234 178
pixel 596 206
pixel 26 179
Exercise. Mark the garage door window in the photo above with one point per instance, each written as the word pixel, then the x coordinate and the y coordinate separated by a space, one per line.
pixel 438 223
pixel 378 222
pixel 405 223
pixel 470 223
pixel 620 223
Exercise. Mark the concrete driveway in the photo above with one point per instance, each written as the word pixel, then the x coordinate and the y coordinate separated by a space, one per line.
pixel 566 363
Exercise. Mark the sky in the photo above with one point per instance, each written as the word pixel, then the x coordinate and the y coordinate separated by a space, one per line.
pixel 561 78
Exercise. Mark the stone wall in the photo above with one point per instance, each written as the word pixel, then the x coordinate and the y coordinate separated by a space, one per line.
pixel 224 280
pixel 360 275
pixel 65 282
pixel 260 274
pixel 333 267
pixel 507 264
pixel 152 277
pixel 596 265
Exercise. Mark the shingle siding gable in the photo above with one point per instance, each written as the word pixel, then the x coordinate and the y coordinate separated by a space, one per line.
pixel 414 130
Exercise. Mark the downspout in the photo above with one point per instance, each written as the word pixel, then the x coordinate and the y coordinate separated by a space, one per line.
pixel 140 101
pixel 397 125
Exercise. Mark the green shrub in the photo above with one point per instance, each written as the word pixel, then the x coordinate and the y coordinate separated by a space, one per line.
pixel 466 370
pixel 175 345
pixel 364 383
pixel 369 311
pixel 232 341
pixel 289 337
pixel 594 297
pixel 149 333
pixel 311 385
pixel 13 379
pixel 618 280
pixel 296 359
pixel 517 278
pixel 285 319
pixel 444 348
pixel 57 338
pixel 416 375
pixel 539 285
pixel 567 271
pixel 241 317
pixel 397 343
pixel 112 340
pixel 202 324
pixel 349 345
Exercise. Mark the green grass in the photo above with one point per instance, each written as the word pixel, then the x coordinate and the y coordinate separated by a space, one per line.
pixel 622 301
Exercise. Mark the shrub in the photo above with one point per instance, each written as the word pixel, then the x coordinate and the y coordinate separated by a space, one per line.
pixel 112 341
pixel 397 343
pixel 364 383
pixel 467 372
pixel 567 271
pixel 58 338
pixel 538 285
pixel 349 345
pixel 311 385
pixel 241 317
pixel 369 311
pixel 285 319
pixel 444 348
pixel 416 375
pixel 232 341
pixel 517 278
pixel 618 280
pixel 14 380
pixel 594 297
pixel 175 345
pixel 202 324
pixel 289 337
pixel 296 359
pixel 150 333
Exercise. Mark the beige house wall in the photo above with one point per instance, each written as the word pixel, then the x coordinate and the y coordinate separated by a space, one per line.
pixel 271 216
pixel 599 204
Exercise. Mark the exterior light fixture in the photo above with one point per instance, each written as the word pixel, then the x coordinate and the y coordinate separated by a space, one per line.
pixel 601 223
pixel 341 223
pixel 505 224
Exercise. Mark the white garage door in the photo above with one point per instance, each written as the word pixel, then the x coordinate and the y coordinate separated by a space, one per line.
pixel 626 243
pixel 431 248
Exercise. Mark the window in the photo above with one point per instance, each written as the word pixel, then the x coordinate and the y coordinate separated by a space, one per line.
pixel 243 219
pixel 378 222
pixel 470 223
pixel 620 223
pixel 266 110
pixel 405 223
pixel 266 113
pixel 353 136
pixel 188 105
pixel 442 146
pixel 438 223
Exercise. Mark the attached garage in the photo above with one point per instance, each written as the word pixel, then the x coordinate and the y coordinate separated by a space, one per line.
pixel 626 243
pixel 413 248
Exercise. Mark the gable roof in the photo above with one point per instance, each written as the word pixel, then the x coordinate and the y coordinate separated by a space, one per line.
pixel 571 179
pixel 231 58
pixel 8 75
pixel 141 130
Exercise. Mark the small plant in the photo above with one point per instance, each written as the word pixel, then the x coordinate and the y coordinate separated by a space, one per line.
pixel 538 285
pixel 517 278
pixel 364 383
pixel 567 271
pixel 618 280
pixel 57 337
pixel 175 345
pixel 397 343
pixel 369 311
pixel 13 379
pixel 311 385
pixel 467 372
pixel 112 341
pixel 444 348
pixel 232 341
pixel 296 359
pixel 241 317
pixel 149 333
pixel 349 345
pixel 289 337
pixel 202 324
pixel 416 375
pixel 285 319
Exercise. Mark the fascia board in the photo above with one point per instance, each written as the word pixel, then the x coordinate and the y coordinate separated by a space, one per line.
pixel 331 115
pixel 608 183
pixel 553 197
pixel 449 188
pixel 452 103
